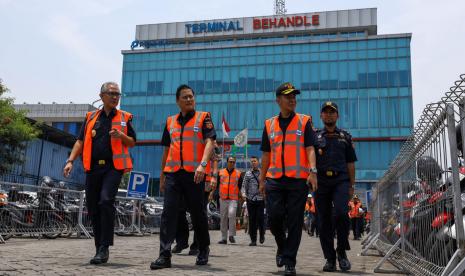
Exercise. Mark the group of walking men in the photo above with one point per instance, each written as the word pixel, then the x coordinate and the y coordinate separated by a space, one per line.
pixel 296 159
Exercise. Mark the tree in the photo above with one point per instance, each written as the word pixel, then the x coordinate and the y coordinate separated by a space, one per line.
pixel 15 130
pixel 124 181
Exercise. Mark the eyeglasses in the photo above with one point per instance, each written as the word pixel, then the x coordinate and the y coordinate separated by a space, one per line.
pixel 231 161
pixel 113 94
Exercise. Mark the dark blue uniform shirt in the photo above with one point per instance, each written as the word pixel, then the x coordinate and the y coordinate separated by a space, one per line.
pixel 333 151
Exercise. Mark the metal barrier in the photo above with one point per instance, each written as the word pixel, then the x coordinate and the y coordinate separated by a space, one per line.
pixel 417 221
pixel 49 212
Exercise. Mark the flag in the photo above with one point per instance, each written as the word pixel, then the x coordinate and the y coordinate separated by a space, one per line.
pixel 241 138
pixel 226 128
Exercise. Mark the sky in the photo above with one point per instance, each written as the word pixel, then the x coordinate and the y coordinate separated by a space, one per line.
pixel 62 51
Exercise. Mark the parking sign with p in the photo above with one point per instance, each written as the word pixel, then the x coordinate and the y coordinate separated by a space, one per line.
pixel 138 184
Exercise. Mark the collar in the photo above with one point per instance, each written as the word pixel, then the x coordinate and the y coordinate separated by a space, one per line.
pixel 188 116
pixel 110 115
pixel 336 130
pixel 288 118
pixel 230 171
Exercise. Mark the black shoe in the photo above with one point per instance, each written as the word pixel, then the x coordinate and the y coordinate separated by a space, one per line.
pixel 279 260
pixel 102 255
pixel 202 258
pixel 231 239
pixel 177 248
pixel 289 270
pixel 344 263
pixel 330 266
pixel 193 252
pixel 253 243
pixel 223 242
pixel 160 263
pixel 310 234
pixel 262 239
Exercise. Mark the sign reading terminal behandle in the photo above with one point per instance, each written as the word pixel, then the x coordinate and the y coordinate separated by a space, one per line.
pixel 290 21
pixel 257 26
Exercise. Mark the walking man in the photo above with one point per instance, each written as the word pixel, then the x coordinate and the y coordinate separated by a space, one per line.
pixel 229 179
pixel 188 143
pixel 288 164
pixel 336 180
pixel 104 141
pixel 255 203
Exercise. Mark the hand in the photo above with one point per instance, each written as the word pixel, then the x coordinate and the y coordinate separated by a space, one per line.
pixel 199 174
pixel 312 182
pixel 351 191
pixel 162 182
pixel 213 182
pixel 67 169
pixel 261 187
pixel 115 133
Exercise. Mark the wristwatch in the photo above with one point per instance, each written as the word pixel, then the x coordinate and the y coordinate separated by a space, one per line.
pixel 203 164
pixel 313 170
pixel 69 161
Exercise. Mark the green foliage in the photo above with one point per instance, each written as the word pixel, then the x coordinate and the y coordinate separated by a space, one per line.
pixel 14 131
pixel 124 181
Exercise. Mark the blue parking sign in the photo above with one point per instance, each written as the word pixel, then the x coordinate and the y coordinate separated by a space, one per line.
pixel 138 184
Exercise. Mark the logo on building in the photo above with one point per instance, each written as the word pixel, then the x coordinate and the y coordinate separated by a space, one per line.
pixel 285 22
pixel 149 43
pixel 213 27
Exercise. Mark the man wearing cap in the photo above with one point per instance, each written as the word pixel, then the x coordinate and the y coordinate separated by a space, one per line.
pixel 288 165
pixel 335 157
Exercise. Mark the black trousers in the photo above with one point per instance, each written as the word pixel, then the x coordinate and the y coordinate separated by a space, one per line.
pixel 285 203
pixel 314 225
pixel 181 186
pixel 256 218
pixel 356 227
pixel 182 231
pixel 331 218
pixel 101 189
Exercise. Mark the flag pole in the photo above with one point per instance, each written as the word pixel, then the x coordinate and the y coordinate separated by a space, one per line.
pixel 222 153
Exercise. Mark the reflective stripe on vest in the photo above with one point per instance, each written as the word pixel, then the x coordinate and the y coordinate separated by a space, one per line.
pixel 190 140
pixel 296 163
pixel 229 184
pixel 121 157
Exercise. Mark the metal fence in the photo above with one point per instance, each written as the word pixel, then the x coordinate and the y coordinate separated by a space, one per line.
pixel 417 221
pixel 50 212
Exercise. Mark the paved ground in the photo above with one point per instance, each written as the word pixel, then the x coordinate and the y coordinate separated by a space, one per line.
pixel 132 256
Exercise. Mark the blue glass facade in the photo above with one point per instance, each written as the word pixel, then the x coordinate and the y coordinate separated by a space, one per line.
pixel 369 77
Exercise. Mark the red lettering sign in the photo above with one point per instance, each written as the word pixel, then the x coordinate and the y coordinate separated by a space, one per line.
pixel 265 23
pixel 290 21
pixel 294 21
pixel 315 20
pixel 305 22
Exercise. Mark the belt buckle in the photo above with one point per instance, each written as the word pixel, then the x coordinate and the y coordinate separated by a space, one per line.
pixel 329 173
pixel 101 162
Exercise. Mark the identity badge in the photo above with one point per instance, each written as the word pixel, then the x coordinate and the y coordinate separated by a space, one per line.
pixel 299 132
pixel 196 129
pixel 123 124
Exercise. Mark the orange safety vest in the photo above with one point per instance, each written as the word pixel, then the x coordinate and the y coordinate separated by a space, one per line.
pixel 353 212
pixel 312 208
pixel 290 149
pixel 121 157
pixel 229 184
pixel 189 139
